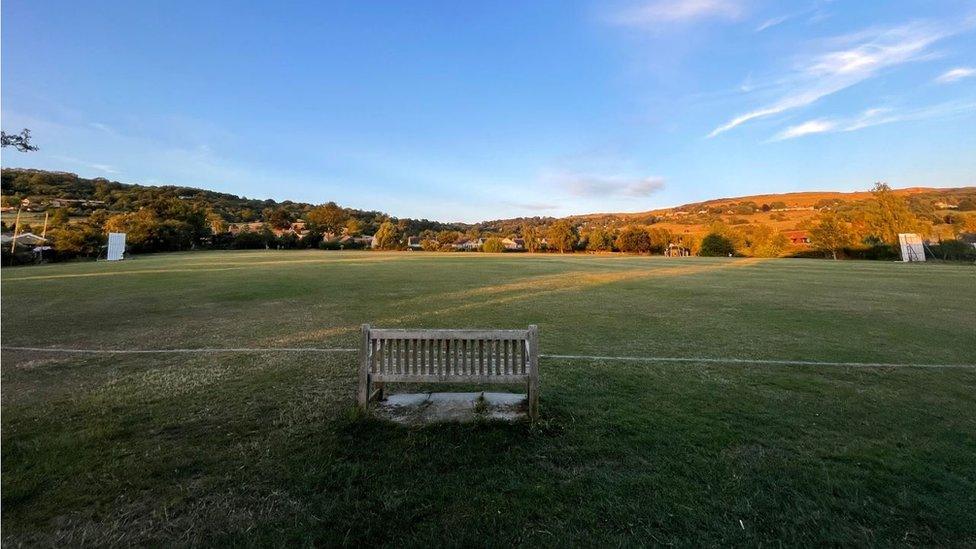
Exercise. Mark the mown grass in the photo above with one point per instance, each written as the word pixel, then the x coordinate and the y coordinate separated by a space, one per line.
pixel 267 449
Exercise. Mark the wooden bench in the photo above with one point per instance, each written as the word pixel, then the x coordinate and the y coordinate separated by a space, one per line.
pixel 448 356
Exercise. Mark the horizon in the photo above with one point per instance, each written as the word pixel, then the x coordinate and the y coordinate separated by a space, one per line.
pixel 547 110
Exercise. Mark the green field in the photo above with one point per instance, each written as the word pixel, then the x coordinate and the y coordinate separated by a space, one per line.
pixel 266 448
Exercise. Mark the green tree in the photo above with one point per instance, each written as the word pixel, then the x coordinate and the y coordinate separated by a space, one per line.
pixel 329 218
pixel 660 238
pixel 493 245
pixel 279 218
pixel 140 227
pixel 562 236
pixel 967 204
pixel 531 237
pixel 387 237
pixel 716 245
pixel 59 217
pixel 634 239
pixel 830 234
pixel 890 215
pixel 599 240
pixel 354 227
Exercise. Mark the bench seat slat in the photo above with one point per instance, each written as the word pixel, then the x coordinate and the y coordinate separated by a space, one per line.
pixel 473 379
pixel 397 334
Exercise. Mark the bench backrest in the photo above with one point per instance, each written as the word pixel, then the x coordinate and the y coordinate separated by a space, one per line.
pixel 480 356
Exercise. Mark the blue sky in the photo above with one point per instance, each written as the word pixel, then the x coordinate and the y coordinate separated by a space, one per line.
pixel 471 111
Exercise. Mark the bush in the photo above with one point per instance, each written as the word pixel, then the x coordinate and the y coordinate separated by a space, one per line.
pixel 250 241
pixel 634 240
pixel 333 244
pixel 954 250
pixel 716 245
pixel 493 245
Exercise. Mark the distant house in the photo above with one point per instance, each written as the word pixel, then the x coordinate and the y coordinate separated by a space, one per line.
pixel 798 238
pixel 238 228
pixel 65 202
pixel 413 243
pixel 469 245
pixel 514 244
pixel 29 240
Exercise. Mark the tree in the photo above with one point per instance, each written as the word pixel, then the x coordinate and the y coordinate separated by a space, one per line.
pixel 140 227
pixel 493 245
pixel 387 237
pixel 531 238
pixel 59 217
pixel 599 240
pixel 634 240
pixel 216 223
pixel 716 245
pixel 967 204
pixel 659 238
pixel 830 234
pixel 889 215
pixel 76 239
pixel 21 141
pixel 279 218
pixel 354 227
pixel 329 218
pixel 562 236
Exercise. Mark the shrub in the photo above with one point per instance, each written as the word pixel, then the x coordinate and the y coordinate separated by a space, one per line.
pixel 493 245
pixel 716 245
pixel 954 250
pixel 634 240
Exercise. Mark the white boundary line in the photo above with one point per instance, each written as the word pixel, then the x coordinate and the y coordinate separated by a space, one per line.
pixel 663 359
pixel 170 351
pixel 758 361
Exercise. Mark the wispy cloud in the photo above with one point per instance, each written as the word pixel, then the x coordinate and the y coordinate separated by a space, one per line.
pixel 659 12
pixel 863 56
pixel 532 206
pixel 92 165
pixel 957 73
pixel 807 128
pixel 875 117
pixel 772 22
pixel 604 186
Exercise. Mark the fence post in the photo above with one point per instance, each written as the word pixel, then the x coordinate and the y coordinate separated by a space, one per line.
pixel 362 396
pixel 533 372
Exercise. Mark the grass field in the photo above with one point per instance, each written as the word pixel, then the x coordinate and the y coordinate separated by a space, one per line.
pixel 266 448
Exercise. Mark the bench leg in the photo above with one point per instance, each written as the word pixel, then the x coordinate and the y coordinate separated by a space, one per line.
pixel 362 395
pixel 533 398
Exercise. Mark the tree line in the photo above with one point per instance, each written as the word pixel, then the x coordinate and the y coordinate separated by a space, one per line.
pixel 173 218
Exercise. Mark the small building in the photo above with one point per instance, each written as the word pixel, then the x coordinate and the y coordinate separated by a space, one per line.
pixel 29 240
pixel 798 238
pixel 413 243
pixel 514 244
pixel 676 250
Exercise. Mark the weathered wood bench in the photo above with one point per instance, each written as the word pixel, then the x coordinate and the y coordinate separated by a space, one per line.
pixel 448 356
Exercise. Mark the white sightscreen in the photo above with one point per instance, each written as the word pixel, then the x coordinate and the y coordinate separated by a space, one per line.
pixel 116 246
pixel 911 247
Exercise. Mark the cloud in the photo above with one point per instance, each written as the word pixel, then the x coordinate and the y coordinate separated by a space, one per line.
pixel 533 206
pixel 875 117
pixel 864 56
pixel 92 165
pixel 772 22
pixel 957 73
pixel 659 12
pixel 806 128
pixel 589 185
